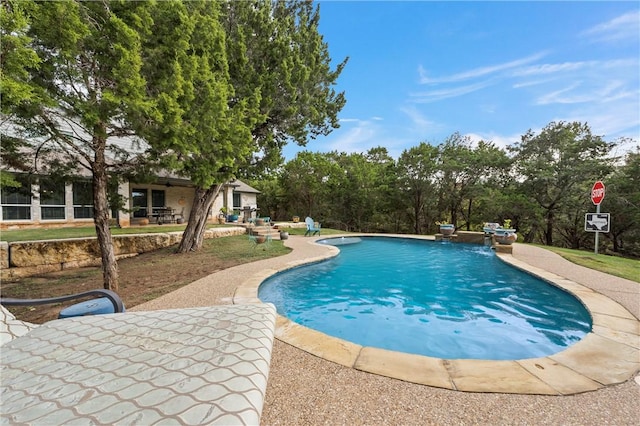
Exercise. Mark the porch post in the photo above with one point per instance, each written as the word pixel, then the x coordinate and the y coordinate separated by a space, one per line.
pixel 124 217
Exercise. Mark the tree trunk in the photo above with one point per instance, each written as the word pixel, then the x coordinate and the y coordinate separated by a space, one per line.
pixel 193 235
pixel 101 221
pixel 615 241
pixel 417 208
pixel 548 233
pixel 454 216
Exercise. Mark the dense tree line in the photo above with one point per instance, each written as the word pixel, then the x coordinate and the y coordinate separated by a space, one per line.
pixel 541 183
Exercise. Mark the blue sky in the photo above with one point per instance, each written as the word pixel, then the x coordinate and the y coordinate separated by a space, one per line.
pixel 422 70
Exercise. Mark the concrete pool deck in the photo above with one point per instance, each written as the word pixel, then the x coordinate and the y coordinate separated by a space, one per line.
pixel 308 389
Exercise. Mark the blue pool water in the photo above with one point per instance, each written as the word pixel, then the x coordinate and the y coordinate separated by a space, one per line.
pixel 448 301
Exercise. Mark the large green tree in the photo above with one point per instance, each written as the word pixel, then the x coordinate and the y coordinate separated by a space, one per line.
pixel 465 172
pixel 622 201
pixel 239 80
pixel 308 182
pixel 17 57
pixel 556 164
pixel 276 49
pixel 416 170
pixel 89 92
pixel 356 194
pixel 203 129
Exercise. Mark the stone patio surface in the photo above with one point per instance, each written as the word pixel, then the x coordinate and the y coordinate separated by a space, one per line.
pixel 307 389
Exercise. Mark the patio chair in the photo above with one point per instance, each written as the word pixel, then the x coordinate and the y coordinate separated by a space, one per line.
pixel 313 227
pixel 180 216
pixel 10 327
pixel 257 238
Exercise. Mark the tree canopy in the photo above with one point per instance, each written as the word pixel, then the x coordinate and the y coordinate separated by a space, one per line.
pixel 234 82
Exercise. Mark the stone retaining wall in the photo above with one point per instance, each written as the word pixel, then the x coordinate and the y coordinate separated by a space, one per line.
pixel 26 258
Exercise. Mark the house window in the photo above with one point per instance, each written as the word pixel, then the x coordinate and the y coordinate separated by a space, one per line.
pixel 82 200
pixel 16 202
pixel 139 202
pixel 52 199
pixel 157 199
pixel 237 201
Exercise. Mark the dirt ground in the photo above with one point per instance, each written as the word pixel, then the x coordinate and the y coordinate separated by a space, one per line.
pixel 142 278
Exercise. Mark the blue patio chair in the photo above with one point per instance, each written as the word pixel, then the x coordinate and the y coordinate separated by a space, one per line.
pixel 257 238
pixel 11 328
pixel 313 228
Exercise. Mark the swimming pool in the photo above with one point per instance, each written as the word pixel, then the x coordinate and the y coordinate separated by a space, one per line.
pixel 448 301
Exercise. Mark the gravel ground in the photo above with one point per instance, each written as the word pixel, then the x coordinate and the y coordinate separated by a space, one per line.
pixel 306 390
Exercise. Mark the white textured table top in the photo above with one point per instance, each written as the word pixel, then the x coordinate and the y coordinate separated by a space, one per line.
pixel 182 366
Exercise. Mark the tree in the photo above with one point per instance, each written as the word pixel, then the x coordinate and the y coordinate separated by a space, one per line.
pixel 416 179
pixel 271 198
pixel 557 163
pixel 16 58
pixel 275 48
pixel 239 81
pixel 623 202
pixel 308 180
pixel 89 91
pixel 465 173
pixel 203 131
pixel 383 194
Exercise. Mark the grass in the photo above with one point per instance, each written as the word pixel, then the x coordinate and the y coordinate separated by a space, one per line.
pixel 613 265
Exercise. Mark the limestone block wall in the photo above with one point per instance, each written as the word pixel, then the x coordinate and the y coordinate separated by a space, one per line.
pixel 26 258
pixel 4 254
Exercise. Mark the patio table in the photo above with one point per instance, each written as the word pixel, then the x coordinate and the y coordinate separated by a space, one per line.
pixel 181 366
pixel 163 215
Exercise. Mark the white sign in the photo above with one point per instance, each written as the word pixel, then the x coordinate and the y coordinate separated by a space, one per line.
pixel 596 222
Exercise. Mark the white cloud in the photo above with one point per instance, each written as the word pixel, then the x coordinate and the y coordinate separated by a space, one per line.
pixel 620 28
pixel 478 72
pixel 356 138
pixel 568 67
pixel 611 120
pixel 541 69
pixel 437 95
pixel 420 125
pixel 530 83
pixel 563 96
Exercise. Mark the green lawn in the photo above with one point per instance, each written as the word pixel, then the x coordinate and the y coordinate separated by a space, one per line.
pixel 618 266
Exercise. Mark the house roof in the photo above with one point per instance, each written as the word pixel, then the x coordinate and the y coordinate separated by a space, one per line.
pixel 240 186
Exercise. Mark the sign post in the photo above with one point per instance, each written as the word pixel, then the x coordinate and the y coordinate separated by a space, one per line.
pixel 597 195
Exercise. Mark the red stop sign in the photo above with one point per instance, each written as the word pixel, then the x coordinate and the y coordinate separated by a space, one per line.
pixel 597 192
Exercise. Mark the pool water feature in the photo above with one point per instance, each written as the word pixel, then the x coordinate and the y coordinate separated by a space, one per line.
pixel 452 301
